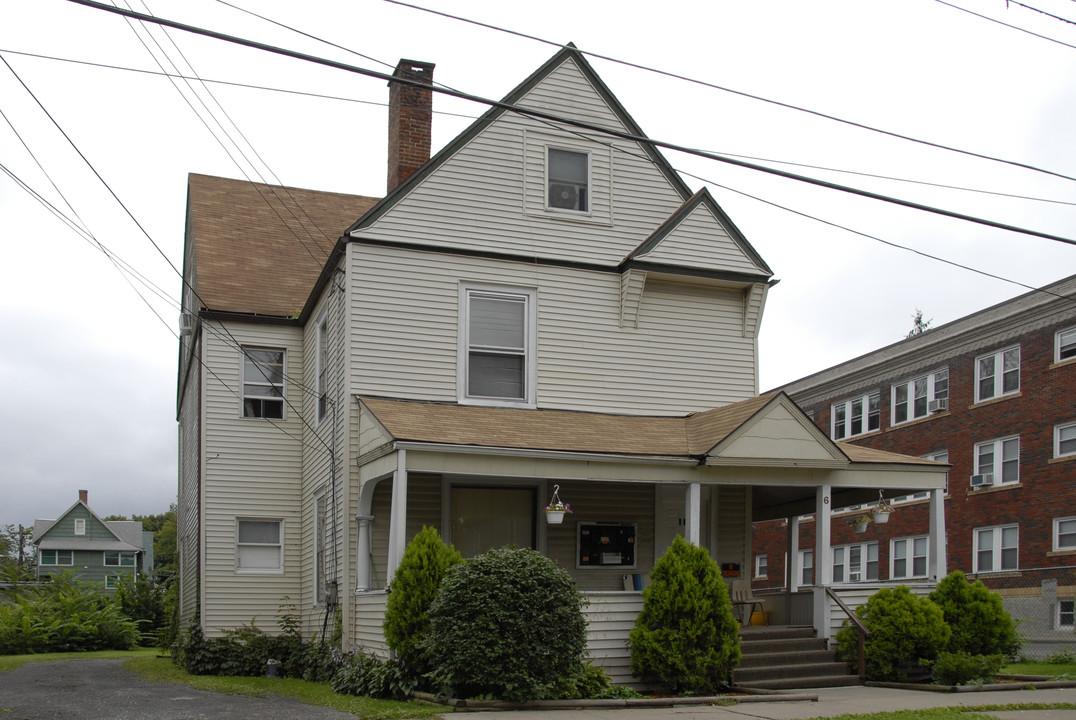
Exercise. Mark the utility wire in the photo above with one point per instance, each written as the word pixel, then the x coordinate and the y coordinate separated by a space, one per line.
pixel 472 117
pixel 741 93
pixel 534 113
pixel 1005 24
pixel 1050 15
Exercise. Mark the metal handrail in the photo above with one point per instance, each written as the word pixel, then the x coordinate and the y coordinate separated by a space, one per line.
pixel 864 633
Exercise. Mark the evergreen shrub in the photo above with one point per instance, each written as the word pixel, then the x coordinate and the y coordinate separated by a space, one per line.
pixel 686 637
pixel 507 624
pixel 962 668
pixel 977 617
pixel 905 629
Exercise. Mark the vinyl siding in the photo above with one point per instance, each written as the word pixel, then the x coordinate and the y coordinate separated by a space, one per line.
pixel 188 546
pixel 586 361
pixel 700 241
pixel 253 470
pixel 610 618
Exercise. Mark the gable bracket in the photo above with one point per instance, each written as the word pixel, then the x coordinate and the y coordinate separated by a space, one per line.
pixel 631 296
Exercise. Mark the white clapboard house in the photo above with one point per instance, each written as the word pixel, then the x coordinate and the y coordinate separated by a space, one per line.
pixel 536 308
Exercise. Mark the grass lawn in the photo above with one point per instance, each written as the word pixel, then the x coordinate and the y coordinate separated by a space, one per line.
pixel 10 662
pixel 1061 671
pixel 953 713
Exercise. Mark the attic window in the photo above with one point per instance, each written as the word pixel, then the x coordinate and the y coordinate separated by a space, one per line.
pixel 80 526
pixel 568 174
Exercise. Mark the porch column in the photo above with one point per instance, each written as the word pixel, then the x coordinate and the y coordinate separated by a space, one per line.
pixel 362 557
pixel 693 513
pixel 823 560
pixel 936 563
pixel 795 571
pixel 397 516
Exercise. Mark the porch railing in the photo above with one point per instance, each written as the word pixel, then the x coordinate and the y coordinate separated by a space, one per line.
pixel 863 633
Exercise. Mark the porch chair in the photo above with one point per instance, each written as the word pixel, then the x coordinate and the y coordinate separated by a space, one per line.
pixel 744 602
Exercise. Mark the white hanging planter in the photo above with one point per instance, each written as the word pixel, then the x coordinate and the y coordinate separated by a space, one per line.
pixel 554 517
pixel 860 527
pixel 556 509
pixel 882 516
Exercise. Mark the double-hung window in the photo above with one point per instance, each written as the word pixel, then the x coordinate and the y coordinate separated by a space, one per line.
pixel 997 548
pixel 921 396
pixel 1065 345
pixel 1064 534
pixel 319 547
pixel 259 546
pixel 855 563
pixel 119 559
pixel 908 558
pixel 323 367
pixel 806 567
pixel 854 416
pixel 761 563
pixel 568 174
pixel 55 557
pixel 497 346
pixel 1065 440
pixel 997 374
pixel 80 526
pixel 1066 614
pixel 1000 459
pixel 263 383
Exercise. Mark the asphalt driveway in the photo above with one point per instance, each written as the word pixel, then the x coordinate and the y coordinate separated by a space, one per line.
pixel 104 690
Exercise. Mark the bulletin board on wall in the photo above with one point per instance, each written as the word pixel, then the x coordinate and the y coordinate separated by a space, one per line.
pixel 605 545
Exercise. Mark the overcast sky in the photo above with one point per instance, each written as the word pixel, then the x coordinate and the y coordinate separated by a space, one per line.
pixel 88 369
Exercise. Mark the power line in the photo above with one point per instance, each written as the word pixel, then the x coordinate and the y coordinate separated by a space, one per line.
pixel 1043 12
pixel 1005 24
pixel 159 73
pixel 741 93
pixel 529 112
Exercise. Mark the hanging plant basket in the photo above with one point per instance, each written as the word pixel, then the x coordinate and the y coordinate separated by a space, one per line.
pixel 860 527
pixel 882 516
pixel 556 509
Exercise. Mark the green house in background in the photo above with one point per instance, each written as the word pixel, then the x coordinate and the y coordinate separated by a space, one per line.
pixel 94 549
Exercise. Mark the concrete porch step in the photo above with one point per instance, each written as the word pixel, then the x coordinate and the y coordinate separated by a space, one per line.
pixel 785 658
pixel 803 683
pixel 798 670
pixel 753 660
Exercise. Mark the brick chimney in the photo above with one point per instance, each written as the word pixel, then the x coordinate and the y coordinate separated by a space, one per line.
pixel 410 120
pixel 84 496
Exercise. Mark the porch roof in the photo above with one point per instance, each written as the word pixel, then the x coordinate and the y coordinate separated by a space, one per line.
pixel 695 435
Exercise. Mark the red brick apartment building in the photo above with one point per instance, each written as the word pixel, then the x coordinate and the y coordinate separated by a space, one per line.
pixel 994 395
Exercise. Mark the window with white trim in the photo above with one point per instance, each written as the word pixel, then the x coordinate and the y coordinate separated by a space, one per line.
pixel 1064 534
pixel 997 374
pixel 498 328
pixel 323 367
pixel 1000 458
pixel 568 179
pixel 997 549
pixel 263 383
pixel 1065 440
pixel 915 398
pixel 55 557
pixel 855 563
pixel 908 558
pixel 1065 345
pixel 112 581
pixel 119 559
pixel 761 563
pixel 259 546
pixel 319 547
pixel 1066 614
pixel 80 526
pixel 806 567
pixel 941 456
pixel 855 416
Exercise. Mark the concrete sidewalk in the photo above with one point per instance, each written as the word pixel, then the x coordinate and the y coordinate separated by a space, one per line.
pixel 831 702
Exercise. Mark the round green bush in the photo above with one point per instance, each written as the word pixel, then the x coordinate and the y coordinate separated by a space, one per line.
pixel 507 624
pixel 905 629
pixel 417 581
pixel 979 622
pixel 686 637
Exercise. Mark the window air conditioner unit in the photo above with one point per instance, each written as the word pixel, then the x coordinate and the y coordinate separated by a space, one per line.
pixel 564 196
pixel 186 324
pixel 940 405
pixel 985 480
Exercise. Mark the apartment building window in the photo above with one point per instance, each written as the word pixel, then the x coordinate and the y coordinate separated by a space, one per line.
pixel 1065 345
pixel 259 546
pixel 806 567
pixel 854 416
pixel 323 367
pixel 1000 460
pixel 997 374
pixel 568 173
pixel 855 563
pixel 1065 440
pixel 1066 614
pixel 997 548
pixel 919 397
pixel 1065 534
pixel 908 558
pixel 760 566
pixel 319 547
pixel 263 383
pixel 497 345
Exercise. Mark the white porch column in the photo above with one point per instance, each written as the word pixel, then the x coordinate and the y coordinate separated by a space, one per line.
pixel 397 516
pixel 936 562
pixel 823 559
pixel 693 513
pixel 795 571
pixel 362 554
